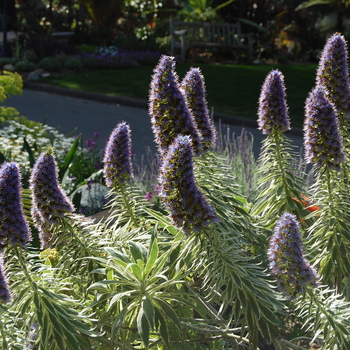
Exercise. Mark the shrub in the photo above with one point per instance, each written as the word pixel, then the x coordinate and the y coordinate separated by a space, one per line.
pixel 4 60
pixel 91 62
pixel 85 48
pixel 73 63
pixel 50 64
pixel 25 66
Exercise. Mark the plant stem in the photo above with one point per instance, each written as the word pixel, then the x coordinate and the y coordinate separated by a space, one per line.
pixel 338 277
pixel 291 345
pixel 24 269
pixel 127 203
pixel 277 137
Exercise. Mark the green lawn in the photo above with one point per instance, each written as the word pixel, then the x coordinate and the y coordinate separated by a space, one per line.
pixel 231 89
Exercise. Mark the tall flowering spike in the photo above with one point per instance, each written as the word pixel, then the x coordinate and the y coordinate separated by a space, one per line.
pixel 14 229
pixel 5 294
pixel 322 140
pixel 286 256
pixel 169 112
pixel 333 74
pixel 43 228
pixel 273 110
pixel 188 207
pixel 117 158
pixel 49 201
pixel 193 89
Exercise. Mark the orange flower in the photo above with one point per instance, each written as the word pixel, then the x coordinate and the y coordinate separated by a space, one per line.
pixel 306 202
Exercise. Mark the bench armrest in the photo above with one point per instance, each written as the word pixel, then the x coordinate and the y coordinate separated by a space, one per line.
pixel 249 38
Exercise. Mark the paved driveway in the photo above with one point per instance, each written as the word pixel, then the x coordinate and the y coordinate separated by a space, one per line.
pixel 72 115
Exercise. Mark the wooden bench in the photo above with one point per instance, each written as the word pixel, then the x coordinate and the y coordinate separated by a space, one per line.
pixel 202 34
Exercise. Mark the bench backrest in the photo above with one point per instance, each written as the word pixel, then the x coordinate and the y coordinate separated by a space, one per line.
pixel 203 32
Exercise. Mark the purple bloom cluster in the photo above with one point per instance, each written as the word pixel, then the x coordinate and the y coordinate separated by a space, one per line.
pixel 90 144
pixel 273 110
pixel 188 207
pixel 14 229
pixel 286 256
pixel 49 202
pixel 193 89
pixel 333 75
pixel 322 140
pixel 5 294
pixel 170 115
pixel 124 58
pixel 117 158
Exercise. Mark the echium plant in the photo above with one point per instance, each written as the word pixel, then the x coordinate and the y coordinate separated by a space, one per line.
pixel 333 76
pixel 287 259
pixel 117 159
pixel 273 110
pixel 49 202
pixel 5 293
pixel 322 139
pixel 170 115
pixel 117 166
pixel 193 88
pixel 14 229
pixel 188 207
pixel 324 148
pixel 280 189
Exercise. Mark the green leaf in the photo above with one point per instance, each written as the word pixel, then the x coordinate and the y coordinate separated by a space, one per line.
pixel 143 327
pixel 169 312
pixel 173 257
pixel 26 147
pixel 163 328
pixel 270 316
pixel 151 258
pixel 117 255
pixel 137 271
pixel 242 298
pixel 265 331
pixel 138 251
pixel 58 339
pixel 45 329
pixel 253 304
pixel 68 159
pixel 148 310
pixel 162 221
pixel 237 309
pixel 116 298
pixel 118 322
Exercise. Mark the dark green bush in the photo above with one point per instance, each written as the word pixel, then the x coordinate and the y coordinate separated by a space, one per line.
pixel 85 48
pixel 5 60
pixel 73 63
pixel 91 63
pixel 50 64
pixel 25 66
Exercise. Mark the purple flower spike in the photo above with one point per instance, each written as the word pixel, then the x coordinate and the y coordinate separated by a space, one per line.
pixel 49 202
pixel 286 256
pixel 169 112
pixel 322 140
pixel 333 75
pixel 193 89
pixel 117 158
pixel 187 205
pixel 14 229
pixel 273 110
pixel 5 294
pixel 43 228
